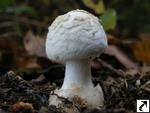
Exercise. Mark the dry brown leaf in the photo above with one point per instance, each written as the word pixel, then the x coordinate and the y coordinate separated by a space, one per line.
pixel 27 62
pixel 34 45
pixel 19 106
pixel 113 40
pixel 141 49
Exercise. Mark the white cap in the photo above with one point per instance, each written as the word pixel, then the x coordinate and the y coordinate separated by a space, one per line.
pixel 75 35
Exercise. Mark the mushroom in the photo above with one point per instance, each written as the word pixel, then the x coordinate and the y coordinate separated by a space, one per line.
pixel 75 39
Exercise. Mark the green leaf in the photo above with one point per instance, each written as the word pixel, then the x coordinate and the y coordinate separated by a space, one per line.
pixel 25 10
pixel 6 3
pixel 108 19
pixel 98 7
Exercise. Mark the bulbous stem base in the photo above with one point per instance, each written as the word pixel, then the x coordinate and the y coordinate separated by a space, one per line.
pixel 78 86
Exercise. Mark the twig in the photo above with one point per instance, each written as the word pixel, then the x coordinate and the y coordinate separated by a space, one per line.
pixel 104 64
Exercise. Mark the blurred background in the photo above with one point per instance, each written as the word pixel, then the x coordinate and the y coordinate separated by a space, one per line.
pixel 24 25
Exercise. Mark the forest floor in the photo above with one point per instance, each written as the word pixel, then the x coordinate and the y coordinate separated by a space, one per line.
pixel 21 95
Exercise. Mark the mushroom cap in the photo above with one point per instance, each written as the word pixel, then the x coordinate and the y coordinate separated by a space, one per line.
pixel 75 35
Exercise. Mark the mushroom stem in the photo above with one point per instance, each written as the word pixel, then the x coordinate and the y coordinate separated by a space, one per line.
pixel 77 74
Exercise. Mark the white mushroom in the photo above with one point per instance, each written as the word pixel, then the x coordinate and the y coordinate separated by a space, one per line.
pixel 74 39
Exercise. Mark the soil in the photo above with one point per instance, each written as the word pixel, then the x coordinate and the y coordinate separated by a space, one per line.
pixel 21 95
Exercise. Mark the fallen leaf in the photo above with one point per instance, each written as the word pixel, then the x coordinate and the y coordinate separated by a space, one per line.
pixel 34 45
pixel 27 61
pixel 141 48
pixel 19 106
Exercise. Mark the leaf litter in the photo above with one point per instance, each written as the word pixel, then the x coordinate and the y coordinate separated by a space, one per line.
pixel 18 95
